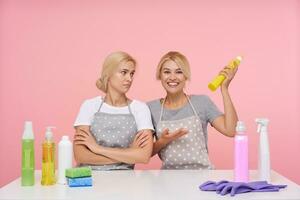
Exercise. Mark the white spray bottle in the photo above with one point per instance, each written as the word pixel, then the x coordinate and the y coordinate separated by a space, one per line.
pixel 264 165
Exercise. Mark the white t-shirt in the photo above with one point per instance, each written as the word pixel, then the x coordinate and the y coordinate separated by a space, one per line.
pixel 139 110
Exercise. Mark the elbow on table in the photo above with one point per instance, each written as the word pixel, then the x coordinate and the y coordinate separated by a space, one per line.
pixel 231 133
pixel 78 158
pixel 142 160
pixel 145 160
pixel 78 155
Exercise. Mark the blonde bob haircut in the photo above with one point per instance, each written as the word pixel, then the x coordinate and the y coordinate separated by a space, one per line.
pixel 111 62
pixel 179 59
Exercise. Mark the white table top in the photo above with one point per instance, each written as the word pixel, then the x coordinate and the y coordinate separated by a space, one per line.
pixel 148 184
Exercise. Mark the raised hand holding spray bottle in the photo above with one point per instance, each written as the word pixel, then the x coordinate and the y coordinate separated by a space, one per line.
pixel 28 165
pixel 48 162
pixel 217 81
pixel 264 166
pixel 241 171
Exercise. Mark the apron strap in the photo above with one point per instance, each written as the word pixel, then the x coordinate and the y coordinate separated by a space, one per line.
pixel 129 109
pixel 161 110
pixel 101 104
pixel 193 108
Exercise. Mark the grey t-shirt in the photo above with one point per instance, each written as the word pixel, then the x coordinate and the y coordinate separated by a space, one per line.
pixel 205 108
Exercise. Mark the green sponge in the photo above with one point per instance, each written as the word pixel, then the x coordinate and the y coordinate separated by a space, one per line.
pixel 78 172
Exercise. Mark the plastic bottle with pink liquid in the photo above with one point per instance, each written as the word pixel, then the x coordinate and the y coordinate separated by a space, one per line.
pixel 241 171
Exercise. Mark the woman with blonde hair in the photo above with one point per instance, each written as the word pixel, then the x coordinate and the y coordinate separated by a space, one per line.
pixel 180 120
pixel 113 132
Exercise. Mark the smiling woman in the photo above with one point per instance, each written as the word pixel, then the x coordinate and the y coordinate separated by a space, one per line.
pixel 181 120
pixel 113 132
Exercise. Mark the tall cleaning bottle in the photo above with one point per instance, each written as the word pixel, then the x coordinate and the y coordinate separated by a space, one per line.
pixel 264 164
pixel 28 164
pixel 241 171
pixel 48 160
pixel 217 81
pixel 65 158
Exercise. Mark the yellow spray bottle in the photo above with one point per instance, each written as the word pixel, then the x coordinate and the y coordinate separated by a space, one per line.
pixel 216 82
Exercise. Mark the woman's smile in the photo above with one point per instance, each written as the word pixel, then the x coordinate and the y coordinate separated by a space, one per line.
pixel 172 84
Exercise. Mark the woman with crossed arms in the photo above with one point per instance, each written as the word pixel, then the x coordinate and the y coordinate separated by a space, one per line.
pixel 114 132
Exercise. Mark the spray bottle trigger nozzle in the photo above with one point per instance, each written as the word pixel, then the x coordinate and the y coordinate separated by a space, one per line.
pixel 258 128
pixel 262 124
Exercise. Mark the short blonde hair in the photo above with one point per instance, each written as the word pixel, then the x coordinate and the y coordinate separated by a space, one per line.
pixel 179 59
pixel 111 62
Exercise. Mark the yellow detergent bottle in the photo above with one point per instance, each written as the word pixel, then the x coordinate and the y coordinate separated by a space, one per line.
pixel 48 162
pixel 216 82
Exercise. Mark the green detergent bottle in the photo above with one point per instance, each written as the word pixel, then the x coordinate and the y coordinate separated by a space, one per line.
pixel 27 177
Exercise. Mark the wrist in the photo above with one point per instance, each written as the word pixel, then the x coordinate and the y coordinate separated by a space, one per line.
pixel 162 142
pixel 224 89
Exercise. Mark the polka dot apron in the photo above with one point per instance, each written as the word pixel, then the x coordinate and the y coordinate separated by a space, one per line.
pixel 188 151
pixel 113 130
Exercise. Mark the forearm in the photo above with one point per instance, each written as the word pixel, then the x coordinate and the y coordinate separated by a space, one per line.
pixel 126 155
pixel 84 156
pixel 230 115
pixel 157 146
pixel 133 154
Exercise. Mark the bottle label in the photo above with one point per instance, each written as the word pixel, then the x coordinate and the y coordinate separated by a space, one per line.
pixel 27 158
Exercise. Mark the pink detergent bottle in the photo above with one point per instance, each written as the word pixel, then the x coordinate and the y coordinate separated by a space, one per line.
pixel 241 172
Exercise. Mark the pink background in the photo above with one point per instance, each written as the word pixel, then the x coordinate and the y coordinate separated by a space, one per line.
pixel 51 54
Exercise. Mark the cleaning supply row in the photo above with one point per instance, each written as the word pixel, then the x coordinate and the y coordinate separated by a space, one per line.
pixel 65 154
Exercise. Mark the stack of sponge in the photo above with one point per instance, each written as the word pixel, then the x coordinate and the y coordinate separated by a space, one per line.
pixel 79 177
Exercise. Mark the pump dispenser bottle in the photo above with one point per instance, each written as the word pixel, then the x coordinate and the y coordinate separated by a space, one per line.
pixel 48 162
pixel 241 171
pixel 27 174
pixel 264 165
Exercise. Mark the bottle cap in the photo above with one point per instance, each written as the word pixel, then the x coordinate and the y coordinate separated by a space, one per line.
pixel 65 137
pixel 28 132
pixel 240 127
pixel 49 134
pixel 240 58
